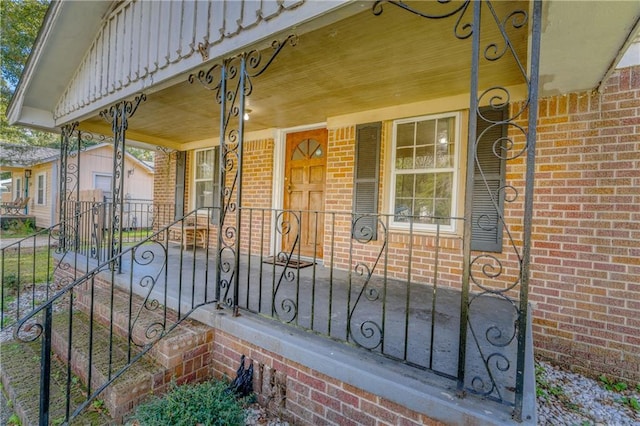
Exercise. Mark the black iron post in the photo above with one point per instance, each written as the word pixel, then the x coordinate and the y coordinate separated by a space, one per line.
pixel 45 366
pixel 534 66
pixel 468 200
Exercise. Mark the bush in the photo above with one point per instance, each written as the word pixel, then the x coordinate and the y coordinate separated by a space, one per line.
pixel 206 403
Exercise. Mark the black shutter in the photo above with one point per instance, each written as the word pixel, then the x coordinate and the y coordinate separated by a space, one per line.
pixel 486 231
pixel 365 181
pixel 181 163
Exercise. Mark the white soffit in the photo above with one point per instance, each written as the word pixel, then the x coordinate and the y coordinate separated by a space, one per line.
pixel 581 40
pixel 65 47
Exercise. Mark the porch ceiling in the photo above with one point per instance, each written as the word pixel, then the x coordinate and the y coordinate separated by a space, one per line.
pixel 361 63
pixel 366 62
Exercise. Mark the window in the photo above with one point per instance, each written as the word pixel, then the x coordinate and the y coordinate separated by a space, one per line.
pixel 206 186
pixel 41 189
pixel 18 185
pixel 204 178
pixel 424 177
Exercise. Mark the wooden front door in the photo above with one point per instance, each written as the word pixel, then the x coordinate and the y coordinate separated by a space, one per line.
pixel 305 170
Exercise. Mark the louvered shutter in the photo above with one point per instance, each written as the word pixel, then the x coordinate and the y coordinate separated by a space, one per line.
pixel 365 181
pixel 486 232
pixel 181 157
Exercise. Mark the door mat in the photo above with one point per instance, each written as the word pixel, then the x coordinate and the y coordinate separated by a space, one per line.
pixel 293 263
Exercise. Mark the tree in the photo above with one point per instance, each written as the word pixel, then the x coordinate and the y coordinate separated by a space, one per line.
pixel 19 24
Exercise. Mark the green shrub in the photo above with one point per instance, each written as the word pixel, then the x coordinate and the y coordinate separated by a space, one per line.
pixel 202 404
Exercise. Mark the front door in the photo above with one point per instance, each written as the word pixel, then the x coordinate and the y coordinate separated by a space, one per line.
pixel 305 167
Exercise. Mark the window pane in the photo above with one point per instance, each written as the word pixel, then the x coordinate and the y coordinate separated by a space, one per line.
pixel 204 194
pixel 424 157
pixel 404 158
pixel 443 209
pixel 405 134
pixel 425 134
pixel 443 185
pixel 445 143
pixel 403 209
pixel 425 184
pixel 204 164
pixel 424 210
pixel 404 186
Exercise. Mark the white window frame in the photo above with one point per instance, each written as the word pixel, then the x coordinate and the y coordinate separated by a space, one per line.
pixel 41 187
pixel 195 180
pixel 455 190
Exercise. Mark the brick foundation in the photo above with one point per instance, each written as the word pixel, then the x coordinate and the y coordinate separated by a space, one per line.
pixel 304 396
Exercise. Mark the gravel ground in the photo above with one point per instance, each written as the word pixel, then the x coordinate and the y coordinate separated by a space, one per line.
pixel 566 398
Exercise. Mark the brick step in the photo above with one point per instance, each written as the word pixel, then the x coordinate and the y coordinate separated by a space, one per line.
pixel 20 364
pixel 188 341
pixel 142 378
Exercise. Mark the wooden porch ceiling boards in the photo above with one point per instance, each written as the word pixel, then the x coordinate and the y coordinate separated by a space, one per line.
pixel 361 63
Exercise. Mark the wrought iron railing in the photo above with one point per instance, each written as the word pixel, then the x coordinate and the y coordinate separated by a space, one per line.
pixel 28 266
pixel 130 301
pixel 388 284
pixel 391 284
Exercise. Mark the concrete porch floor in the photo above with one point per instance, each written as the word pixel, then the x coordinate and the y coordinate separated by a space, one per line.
pixel 420 346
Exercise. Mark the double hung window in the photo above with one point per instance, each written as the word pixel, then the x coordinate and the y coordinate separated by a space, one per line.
pixel 206 178
pixel 424 172
pixel 41 189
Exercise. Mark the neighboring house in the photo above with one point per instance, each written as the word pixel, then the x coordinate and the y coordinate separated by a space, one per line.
pixel 36 174
pixel 362 133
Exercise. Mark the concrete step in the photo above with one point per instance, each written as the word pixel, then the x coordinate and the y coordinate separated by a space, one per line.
pixel 20 379
pixel 183 355
pixel 96 355
pixel 189 341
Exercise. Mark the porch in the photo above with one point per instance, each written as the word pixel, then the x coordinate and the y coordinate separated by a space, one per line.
pixel 402 330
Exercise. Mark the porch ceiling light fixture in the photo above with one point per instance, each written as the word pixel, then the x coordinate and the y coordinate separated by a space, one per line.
pixel 27 173
pixel 246 114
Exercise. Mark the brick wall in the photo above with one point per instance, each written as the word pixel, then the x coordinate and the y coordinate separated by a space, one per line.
pixel 585 263
pixel 164 182
pixel 257 186
pixel 304 396
pixel 585 280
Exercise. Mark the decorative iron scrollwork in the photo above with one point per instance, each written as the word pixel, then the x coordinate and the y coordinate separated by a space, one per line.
pixel 436 10
pixel 231 82
pixel 369 334
pixel 487 272
pixel 287 223
pixel 118 116
pixel 153 329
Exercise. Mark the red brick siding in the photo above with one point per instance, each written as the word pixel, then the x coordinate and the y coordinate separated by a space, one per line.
pixel 585 279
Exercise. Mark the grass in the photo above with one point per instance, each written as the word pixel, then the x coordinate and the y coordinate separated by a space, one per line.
pixel 206 404
pixel 28 266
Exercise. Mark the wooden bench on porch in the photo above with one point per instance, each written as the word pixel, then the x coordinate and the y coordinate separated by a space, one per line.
pixel 190 233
